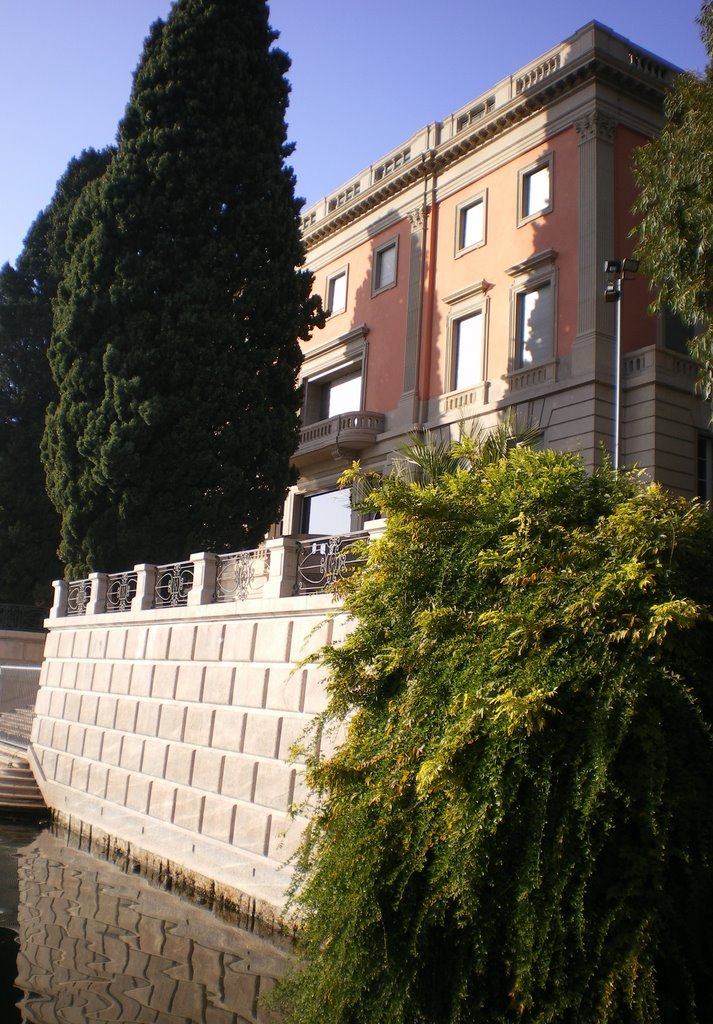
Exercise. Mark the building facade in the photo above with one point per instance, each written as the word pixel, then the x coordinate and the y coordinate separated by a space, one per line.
pixel 464 277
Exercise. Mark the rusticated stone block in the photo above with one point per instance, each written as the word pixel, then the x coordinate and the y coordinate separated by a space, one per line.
pixel 157 643
pixel 188 810
pixel 252 829
pixel 228 729
pixel 126 711
pixel 66 643
pixel 250 688
pixel 238 777
pixel 209 641
pixel 199 725
pixel 106 712
pixel 179 764
pixel 121 677
pixel 171 723
pixel 75 740
pixel 142 679
pixel 262 735
pixel 116 786
pixel 315 698
pixel 272 642
pixel 97 643
pixel 285 834
pixel 218 818
pixel 238 640
pixel 164 682
pixel 52 673
pixel 274 785
pixel 116 643
pixel 80 776
pixel 132 752
pixel 57 701
pixel 84 675
pixel 136 639
pixel 147 718
pixel 189 685
pixel 161 800
pixel 154 758
pixel 111 748
pixel 59 735
pixel 137 793
pixel 93 739
pixel 208 770
pixel 98 774
pixel 218 684
pixel 285 689
pixel 81 643
pixel 90 708
pixel 293 732
pixel 182 641
pixel 309 633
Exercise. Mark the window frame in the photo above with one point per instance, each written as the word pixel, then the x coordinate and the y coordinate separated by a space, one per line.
pixel 467 302
pixel 524 175
pixel 393 242
pixel 331 279
pixel 540 269
pixel 480 198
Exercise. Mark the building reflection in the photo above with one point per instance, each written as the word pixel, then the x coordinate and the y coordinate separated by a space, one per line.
pixel 100 945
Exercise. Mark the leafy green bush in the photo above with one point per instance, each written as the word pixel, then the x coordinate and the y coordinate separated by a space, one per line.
pixel 517 826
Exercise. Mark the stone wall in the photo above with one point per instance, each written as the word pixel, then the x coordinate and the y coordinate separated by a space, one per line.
pixel 171 730
pixel 21 647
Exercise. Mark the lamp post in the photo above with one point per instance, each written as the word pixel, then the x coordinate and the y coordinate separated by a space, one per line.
pixel 616 270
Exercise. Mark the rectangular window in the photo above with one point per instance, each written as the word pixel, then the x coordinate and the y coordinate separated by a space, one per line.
pixel 385 266
pixel 471 225
pixel 342 394
pixel 534 329
pixel 337 292
pixel 327 514
pixel 468 351
pixel 535 190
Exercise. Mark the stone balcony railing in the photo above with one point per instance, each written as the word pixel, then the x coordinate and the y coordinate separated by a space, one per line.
pixel 349 432
pixel 283 567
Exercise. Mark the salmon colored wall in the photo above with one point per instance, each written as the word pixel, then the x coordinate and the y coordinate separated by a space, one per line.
pixel 506 245
pixel 638 326
pixel 384 314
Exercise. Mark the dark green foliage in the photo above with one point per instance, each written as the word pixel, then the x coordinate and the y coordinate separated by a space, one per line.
pixel 29 526
pixel 177 322
pixel 674 175
pixel 517 825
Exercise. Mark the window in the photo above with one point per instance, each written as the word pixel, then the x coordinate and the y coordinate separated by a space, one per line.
pixel 470 224
pixel 467 351
pixel 535 190
pixel 336 391
pixel 327 514
pixel 534 327
pixel 385 266
pixel 337 292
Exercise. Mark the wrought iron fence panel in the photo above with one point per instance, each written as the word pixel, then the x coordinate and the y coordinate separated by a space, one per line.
pixel 18 693
pixel 321 561
pixel 120 591
pixel 23 617
pixel 237 574
pixel 173 584
pixel 78 594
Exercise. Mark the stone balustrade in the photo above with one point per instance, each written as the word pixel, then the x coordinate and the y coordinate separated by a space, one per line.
pixel 273 570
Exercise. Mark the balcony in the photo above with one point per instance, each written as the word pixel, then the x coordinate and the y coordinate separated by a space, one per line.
pixel 345 434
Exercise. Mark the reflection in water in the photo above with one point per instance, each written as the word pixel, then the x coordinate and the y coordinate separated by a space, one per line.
pixel 99 945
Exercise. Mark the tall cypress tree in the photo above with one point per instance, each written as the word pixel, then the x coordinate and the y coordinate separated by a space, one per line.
pixel 177 324
pixel 29 526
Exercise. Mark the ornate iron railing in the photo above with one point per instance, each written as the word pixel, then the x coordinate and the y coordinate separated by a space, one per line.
pixel 321 561
pixel 173 583
pixel 78 594
pixel 23 617
pixel 120 591
pixel 241 574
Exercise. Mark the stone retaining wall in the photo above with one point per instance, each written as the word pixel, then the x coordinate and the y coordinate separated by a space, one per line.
pixel 171 730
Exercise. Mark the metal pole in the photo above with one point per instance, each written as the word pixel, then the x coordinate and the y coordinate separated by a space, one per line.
pixel 617 373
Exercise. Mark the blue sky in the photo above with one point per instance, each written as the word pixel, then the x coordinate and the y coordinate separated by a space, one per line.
pixel 365 76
